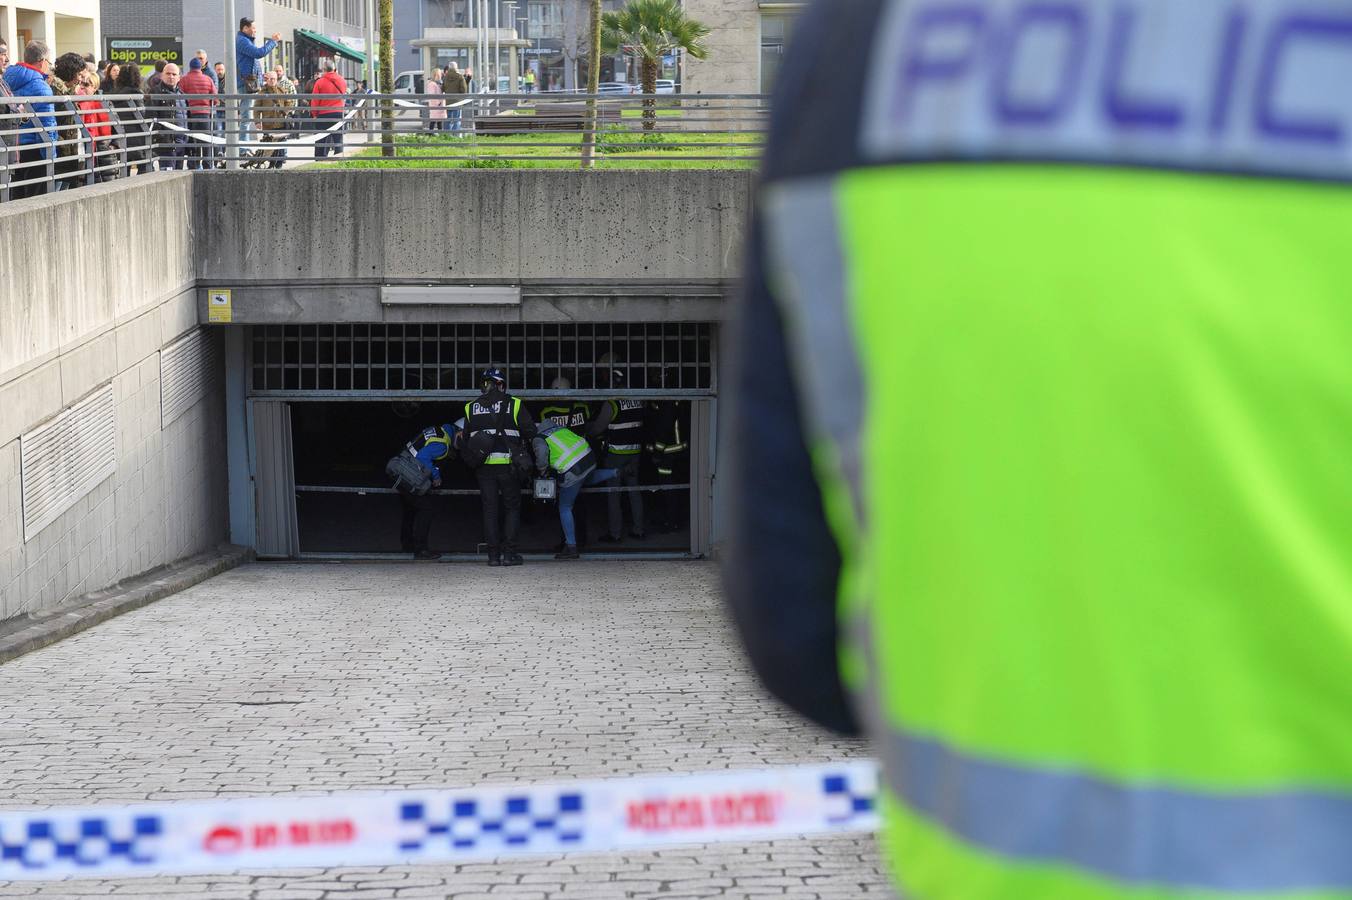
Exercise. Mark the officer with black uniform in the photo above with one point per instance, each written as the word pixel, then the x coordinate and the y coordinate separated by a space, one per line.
pixel 506 423
pixel 431 448
pixel 621 423
pixel 670 454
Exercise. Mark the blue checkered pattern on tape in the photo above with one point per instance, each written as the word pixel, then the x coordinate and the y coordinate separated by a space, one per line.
pixel 468 823
pixel 847 801
pixel 64 843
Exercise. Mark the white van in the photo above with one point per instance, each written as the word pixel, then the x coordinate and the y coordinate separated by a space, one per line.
pixel 410 82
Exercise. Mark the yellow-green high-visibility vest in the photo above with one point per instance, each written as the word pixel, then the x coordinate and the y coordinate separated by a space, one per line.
pixel 1093 495
pixel 566 449
pixel 1084 436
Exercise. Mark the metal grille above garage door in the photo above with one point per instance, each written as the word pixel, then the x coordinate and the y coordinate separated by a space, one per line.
pixel 656 357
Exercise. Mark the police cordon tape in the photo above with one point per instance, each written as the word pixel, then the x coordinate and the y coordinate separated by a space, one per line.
pixel 438 826
pixel 246 144
pixel 309 138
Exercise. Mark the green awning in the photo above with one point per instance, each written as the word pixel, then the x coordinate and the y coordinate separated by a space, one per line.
pixel 329 43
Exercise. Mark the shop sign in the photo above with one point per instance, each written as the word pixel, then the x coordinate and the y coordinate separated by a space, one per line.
pixel 143 51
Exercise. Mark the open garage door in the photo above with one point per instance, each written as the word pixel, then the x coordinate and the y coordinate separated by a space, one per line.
pixel 356 394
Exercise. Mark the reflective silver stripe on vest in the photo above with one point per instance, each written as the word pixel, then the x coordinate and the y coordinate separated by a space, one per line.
pixel 1292 840
pixel 568 457
pixel 807 266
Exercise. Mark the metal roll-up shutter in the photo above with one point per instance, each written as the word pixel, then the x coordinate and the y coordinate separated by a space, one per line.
pixel 278 532
pixel 189 369
pixel 64 459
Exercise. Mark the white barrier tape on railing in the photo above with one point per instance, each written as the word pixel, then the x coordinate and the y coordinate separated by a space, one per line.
pixel 312 138
pixel 438 826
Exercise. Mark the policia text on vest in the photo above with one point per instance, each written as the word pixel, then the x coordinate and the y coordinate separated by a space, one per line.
pixel 1047 327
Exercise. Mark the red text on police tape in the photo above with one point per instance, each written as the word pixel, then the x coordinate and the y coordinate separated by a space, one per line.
pixel 267 835
pixel 696 812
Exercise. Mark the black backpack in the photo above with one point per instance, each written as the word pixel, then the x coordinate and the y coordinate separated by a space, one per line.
pixel 474 451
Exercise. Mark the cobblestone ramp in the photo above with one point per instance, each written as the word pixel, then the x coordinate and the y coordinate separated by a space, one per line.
pixel 282 679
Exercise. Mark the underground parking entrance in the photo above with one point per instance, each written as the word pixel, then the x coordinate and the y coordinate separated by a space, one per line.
pixel 327 405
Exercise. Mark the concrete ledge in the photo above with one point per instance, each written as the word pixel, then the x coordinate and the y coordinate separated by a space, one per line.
pixel 26 635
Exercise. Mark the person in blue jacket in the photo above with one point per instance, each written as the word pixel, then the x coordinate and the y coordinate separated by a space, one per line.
pixel 432 448
pixel 247 66
pixel 29 79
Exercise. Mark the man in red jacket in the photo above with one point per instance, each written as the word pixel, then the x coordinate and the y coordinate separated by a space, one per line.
pixel 201 109
pixel 327 111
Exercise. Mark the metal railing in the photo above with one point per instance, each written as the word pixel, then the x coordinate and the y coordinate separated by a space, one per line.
pixel 57 143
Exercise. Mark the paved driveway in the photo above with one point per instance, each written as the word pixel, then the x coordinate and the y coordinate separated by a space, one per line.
pixel 282 678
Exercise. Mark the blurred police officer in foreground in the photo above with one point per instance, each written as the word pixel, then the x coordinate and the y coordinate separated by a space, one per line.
pixel 1048 334
pixel 507 425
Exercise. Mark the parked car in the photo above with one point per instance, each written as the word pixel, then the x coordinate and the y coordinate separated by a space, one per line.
pixel 666 86
pixel 616 87
pixel 410 82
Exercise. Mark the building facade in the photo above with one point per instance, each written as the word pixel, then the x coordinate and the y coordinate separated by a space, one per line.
pixel 66 25
pixel 310 30
pixel 746 45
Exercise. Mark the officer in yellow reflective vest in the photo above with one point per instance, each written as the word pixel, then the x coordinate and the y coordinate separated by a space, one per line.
pixel 508 423
pixel 1047 334
pixel 431 448
pixel 567 453
pixel 573 415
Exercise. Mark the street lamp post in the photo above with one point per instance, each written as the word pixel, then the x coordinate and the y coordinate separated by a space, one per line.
pixel 231 133
pixel 511 17
pixel 483 46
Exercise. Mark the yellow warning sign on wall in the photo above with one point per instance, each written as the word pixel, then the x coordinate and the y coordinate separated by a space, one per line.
pixel 218 306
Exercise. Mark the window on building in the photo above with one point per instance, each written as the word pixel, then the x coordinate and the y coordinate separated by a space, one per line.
pixel 546 19
pixel 775 29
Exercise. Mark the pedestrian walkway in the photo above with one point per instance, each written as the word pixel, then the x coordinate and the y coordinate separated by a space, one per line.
pixel 287 678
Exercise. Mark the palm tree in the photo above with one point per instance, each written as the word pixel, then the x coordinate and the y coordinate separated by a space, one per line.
pixel 387 76
pixel 650 29
pixel 593 81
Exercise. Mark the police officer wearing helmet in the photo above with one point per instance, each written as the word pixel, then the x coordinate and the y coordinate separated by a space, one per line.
pixel 1044 480
pixel 499 425
pixel 431 448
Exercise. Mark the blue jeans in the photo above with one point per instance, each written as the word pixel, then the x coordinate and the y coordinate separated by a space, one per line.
pixel 568 497
pixel 245 117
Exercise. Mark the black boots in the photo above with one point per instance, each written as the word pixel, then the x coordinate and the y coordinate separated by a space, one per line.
pixel 569 551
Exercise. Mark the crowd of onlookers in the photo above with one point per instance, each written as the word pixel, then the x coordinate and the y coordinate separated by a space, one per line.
pixel 115 122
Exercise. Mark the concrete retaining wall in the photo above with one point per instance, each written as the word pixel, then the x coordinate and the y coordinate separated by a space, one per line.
pixel 92 284
pixel 316 246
